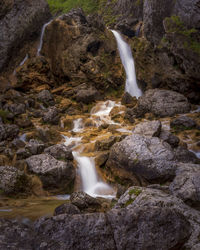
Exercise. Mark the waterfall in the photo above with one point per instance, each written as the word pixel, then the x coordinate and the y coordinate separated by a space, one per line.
pixel 78 125
pixel 41 37
pixel 21 63
pixel 90 182
pixel 129 66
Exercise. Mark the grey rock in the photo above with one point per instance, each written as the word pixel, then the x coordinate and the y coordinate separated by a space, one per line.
pixel 46 97
pixel 22 153
pixel 22 21
pixel 148 129
pixel 184 155
pixel 148 158
pixel 169 138
pixel 186 184
pixel 87 95
pixel 183 122
pixel 53 173
pixel 16 108
pixel 66 209
pixel 51 116
pixel 8 178
pixel 8 131
pixel 162 103
pixel 60 151
pixel 83 200
pixel 34 147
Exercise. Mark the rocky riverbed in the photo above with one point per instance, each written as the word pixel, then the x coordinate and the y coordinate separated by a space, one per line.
pixel 83 164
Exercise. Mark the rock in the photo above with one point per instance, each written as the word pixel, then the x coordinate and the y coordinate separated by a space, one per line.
pixel 106 143
pixel 183 122
pixel 186 184
pixel 22 153
pixel 184 155
pixel 51 116
pixel 147 158
pixel 101 159
pixel 12 180
pixel 5 7
pixel 84 201
pixel 66 208
pixel 46 97
pixel 53 173
pixel 16 234
pixel 169 138
pixel 128 100
pixel 8 132
pixel 34 147
pixel 16 108
pixel 60 152
pixel 14 32
pixel 88 47
pixel 87 95
pixel 148 129
pixel 161 103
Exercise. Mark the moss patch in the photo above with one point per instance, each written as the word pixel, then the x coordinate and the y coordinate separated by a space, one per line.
pixel 135 191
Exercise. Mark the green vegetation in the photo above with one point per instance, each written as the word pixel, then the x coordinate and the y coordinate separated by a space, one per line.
pixel 174 24
pixel 135 191
pixel 63 6
pixel 130 201
pixel 4 115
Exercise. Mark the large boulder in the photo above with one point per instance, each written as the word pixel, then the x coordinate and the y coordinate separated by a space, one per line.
pixel 53 173
pixel 183 122
pixel 60 152
pixel 149 129
pixel 147 158
pixel 82 50
pixel 22 20
pixel 161 103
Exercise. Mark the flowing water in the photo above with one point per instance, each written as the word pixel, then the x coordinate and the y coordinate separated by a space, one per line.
pixel 21 63
pixel 41 37
pixel 129 65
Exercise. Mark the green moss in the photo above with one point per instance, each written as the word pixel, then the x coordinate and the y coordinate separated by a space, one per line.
pixel 4 115
pixel 130 201
pixel 135 191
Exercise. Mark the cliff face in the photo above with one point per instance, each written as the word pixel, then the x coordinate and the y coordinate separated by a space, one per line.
pixel 19 21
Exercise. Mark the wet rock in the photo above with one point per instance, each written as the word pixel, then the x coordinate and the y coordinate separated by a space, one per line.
pixel 105 144
pixel 46 97
pixel 101 159
pixel 183 122
pixel 161 103
pixel 53 173
pixel 148 158
pixel 66 209
pixel 10 178
pixel 84 201
pixel 169 138
pixel 148 129
pixel 186 184
pixel 87 95
pixel 14 32
pixel 60 152
pixel 51 116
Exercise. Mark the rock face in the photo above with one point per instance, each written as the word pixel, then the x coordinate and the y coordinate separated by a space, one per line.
pixel 20 21
pixel 161 103
pixel 53 173
pixel 88 47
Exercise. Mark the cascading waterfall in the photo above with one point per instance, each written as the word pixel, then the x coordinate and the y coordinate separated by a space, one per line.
pixel 129 66
pixel 41 37
pixel 21 63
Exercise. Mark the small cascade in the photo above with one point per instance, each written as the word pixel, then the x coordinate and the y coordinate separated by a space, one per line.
pixel 21 63
pixel 78 125
pixel 90 182
pixel 41 37
pixel 129 66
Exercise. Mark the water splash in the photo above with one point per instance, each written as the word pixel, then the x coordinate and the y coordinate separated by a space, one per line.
pixel 41 37
pixel 129 66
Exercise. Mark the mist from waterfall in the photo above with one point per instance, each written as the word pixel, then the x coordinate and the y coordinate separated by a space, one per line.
pixel 129 66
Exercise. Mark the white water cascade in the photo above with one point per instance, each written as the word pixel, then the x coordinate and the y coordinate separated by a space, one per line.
pixel 91 184
pixel 129 66
pixel 41 37
pixel 21 63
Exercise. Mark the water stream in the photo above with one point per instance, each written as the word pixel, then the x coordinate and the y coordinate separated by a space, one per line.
pixel 41 37
pixel 129 65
